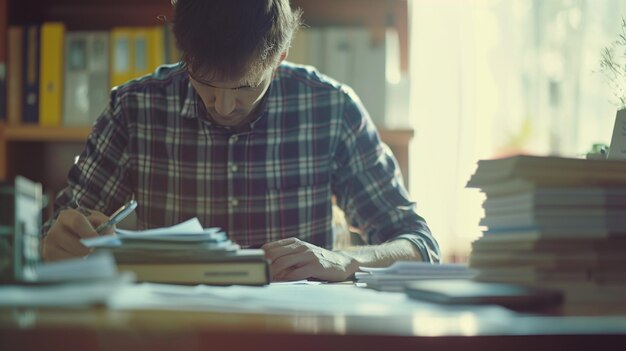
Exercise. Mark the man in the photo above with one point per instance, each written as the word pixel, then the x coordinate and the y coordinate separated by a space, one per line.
pixel 247 142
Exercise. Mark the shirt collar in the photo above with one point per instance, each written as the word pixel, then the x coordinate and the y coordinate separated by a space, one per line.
pixel 190 103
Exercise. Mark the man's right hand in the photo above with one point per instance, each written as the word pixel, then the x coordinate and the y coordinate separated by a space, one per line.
pixel 63 238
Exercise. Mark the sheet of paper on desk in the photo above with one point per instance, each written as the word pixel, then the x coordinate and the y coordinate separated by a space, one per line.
pixel 70 283
pixel 281 299
pixel 71 294
pixel 99 265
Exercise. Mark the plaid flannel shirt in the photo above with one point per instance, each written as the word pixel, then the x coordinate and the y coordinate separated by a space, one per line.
pixel 271 180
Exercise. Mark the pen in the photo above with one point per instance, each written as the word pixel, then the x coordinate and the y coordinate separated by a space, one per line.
pixel 116 217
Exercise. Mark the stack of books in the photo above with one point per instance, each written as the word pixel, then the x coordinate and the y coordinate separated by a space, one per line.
pixel 184 254
pixel 554 222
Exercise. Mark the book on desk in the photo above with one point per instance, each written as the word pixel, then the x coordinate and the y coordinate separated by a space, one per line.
pixel 241 267
pixel 185 253
pixel 554 222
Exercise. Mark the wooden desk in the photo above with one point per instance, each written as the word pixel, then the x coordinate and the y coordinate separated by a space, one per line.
pixel 102 329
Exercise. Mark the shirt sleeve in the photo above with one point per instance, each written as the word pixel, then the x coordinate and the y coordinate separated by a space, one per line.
pixel 99 180
pixel 369 187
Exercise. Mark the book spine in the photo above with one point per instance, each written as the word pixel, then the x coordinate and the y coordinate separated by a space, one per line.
pixel 171 52
pixel 122 55
pixel 156 46
pixel 75 107
pixel 98 66
pixel 51 69
pixel 167 43
pixel 369 78
pixel 3 91
pixel 15 62
pixel 86 76
pixel 141 39
pixel 31 75
pixel 338 49
pixel 216 273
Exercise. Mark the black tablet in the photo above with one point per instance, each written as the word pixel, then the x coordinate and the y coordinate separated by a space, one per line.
pixel 465 291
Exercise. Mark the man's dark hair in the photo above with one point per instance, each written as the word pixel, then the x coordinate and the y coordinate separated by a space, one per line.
pixel 230 39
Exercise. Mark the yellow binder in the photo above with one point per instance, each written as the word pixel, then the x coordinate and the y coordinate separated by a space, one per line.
pixel 157 47
pixel 51 74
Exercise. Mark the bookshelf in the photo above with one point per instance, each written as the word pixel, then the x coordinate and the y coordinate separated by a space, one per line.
pixel 33 151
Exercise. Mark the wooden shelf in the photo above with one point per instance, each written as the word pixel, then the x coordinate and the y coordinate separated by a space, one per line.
pixel 79 134
pixel 35 133
pixel 396 136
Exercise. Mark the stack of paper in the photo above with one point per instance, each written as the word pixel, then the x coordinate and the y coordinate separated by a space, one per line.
pixel 186 235
pixel 396 276
pixel 185 253
pixel 553 222
pixel 74 282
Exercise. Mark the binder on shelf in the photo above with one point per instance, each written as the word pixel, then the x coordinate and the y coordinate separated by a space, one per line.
pixel 370 76
pixel 30 98
pixel 3 91
pixel 339 51
pixel 15 63
pixel 149 49
pixel 171 52
pixel 86 76
pixel 142 39
pixel 156 48
pixel 351 56
pixel 122 55
pixel 51 69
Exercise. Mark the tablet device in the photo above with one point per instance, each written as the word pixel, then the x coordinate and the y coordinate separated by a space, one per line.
pixel 465 291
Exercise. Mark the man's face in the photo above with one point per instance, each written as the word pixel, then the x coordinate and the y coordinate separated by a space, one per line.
pixel 229 103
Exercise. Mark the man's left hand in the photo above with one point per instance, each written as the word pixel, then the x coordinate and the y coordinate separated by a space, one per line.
pixel 294 259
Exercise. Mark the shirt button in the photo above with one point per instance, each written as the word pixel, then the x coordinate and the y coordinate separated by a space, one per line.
pixel 233 168
pixel 233 139
pixel 233 202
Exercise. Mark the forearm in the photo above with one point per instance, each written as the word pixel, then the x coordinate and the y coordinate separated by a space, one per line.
pixel 381 255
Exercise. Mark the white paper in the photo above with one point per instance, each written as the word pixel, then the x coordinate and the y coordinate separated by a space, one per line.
pixel 99 265
pixel 188 231
pixel 80 293
pixel 396 276
pixel 416 267
pixel 323 298
pixel 189 226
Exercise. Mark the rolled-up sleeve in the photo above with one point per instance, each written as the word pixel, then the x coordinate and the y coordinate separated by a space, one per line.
pixel 369 187
pixel 99 180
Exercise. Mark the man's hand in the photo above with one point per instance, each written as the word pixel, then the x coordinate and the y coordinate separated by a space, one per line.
pixel 294 259
pixel 63 238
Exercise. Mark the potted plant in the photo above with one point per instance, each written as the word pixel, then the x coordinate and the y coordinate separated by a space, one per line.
pixel 613 65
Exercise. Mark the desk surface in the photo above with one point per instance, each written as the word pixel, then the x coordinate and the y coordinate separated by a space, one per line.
pixel 443 329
